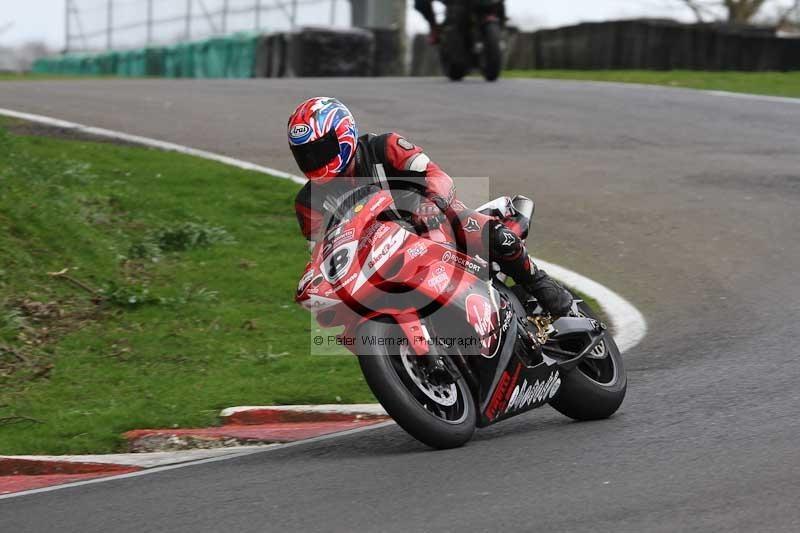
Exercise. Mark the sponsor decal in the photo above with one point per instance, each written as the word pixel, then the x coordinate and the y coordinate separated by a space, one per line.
pixel 509 239
pixel 507 318
pixel 333 234
pixel 315 303
pixel 373 234
pixel 337 238
pixel 502 393
pixel 526 395
pixel 347 235
pixel 418 250
pixel 482 317
pixel 462 262
pixel 404 144
pixel 379 255
pixel 299 131
pixel 472 225
pixel 377 204
pixel 346 282
pixel 359 208
pixel 390 247
pixel 439 280
pixel 305 280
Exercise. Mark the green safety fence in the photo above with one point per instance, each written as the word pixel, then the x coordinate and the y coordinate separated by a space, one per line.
pixel 308 52
pixel 233 56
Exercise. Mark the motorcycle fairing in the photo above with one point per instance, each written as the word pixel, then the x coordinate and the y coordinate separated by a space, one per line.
pixel 507 385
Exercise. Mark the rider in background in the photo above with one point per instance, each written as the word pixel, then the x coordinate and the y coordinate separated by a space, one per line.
pixel 425 7
pixel 324 140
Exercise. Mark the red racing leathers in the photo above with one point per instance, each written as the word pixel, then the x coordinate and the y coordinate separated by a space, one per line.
pixel 400 159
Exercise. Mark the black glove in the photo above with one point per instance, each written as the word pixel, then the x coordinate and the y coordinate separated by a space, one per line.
pixel 428 215
pixel 553 298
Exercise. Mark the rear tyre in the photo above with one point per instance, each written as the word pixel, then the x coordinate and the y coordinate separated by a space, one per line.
pixel 492 50
pixel 596 387
pixel 440 416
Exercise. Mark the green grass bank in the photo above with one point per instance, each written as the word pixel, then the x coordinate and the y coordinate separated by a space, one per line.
pixel 142 289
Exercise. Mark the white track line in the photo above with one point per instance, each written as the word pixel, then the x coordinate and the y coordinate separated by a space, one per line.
pixel 758 97
pixel 200 462
pixel 630 327
pixel 655 87
pixel 152 143
pixel 355 409
pixel 142 460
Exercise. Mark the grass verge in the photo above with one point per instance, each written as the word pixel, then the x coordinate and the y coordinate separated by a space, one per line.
pixel 767 83
pixel 141 289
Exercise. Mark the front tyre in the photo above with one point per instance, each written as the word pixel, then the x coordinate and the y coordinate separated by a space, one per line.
pixel 492 61
pixel 596 387
pixel 440 416
pixel 454 48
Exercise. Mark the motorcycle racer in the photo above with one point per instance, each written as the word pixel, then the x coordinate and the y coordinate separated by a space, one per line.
pixel 323 137
pixel 425 8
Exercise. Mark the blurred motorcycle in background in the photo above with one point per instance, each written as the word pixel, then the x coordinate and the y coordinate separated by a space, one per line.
pixel 473 37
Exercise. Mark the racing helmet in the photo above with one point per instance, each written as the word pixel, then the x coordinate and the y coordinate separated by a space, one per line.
pixel 322 137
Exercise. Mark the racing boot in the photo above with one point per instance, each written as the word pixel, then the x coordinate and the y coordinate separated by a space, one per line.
pixel 510 253
pixel 553 298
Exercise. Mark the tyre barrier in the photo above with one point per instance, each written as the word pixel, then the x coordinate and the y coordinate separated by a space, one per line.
pixel 389 57
pixel 328 52
pixel 424 58
pixel 658 45
pixel 637 44
pixel 306 52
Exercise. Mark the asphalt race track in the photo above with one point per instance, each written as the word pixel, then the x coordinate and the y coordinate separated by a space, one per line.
pixel 686 203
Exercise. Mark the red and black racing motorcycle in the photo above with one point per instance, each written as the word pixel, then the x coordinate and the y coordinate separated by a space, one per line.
pixel 444 343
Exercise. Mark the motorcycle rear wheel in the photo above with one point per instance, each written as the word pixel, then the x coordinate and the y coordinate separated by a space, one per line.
pixel 595 388
pixel 441 417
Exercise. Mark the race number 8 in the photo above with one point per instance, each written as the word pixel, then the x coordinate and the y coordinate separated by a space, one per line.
pixel 337 264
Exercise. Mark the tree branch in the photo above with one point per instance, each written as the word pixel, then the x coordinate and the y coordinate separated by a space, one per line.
pixel 696 9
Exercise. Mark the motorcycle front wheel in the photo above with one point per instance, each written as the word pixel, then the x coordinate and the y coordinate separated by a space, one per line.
pixel 492 60
pixel 454 48
pixel 441 416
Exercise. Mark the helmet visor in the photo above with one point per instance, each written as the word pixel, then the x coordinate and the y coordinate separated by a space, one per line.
pixel 316 154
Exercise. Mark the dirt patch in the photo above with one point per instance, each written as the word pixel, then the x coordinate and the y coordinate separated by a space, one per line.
pixel 34 129
pixel 172 443
pixel 38 325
